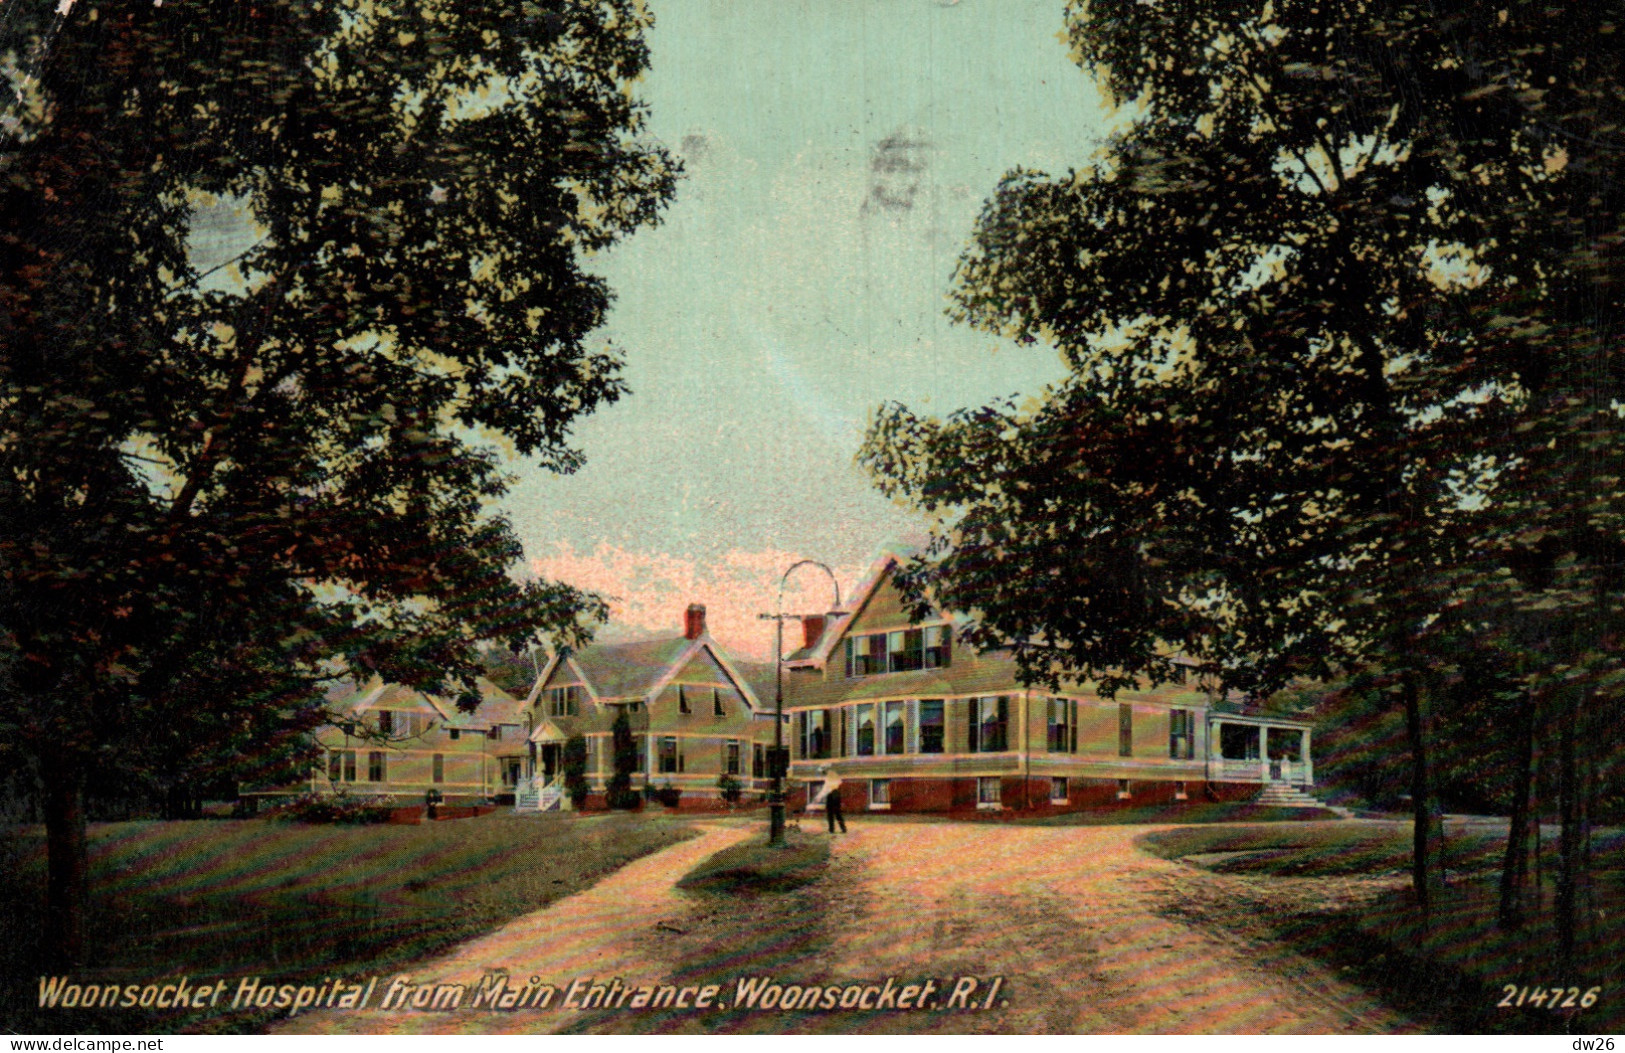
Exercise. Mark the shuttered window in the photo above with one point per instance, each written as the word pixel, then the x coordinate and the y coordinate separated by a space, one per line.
pixel 932 726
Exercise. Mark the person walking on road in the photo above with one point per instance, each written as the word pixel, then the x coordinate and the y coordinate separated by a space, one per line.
pixel 831 796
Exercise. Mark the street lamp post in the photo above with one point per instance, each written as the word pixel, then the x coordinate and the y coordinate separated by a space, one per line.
pixel 775 796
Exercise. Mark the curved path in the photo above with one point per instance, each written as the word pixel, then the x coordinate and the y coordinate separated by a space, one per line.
pixel 592 933
pixel 1091 934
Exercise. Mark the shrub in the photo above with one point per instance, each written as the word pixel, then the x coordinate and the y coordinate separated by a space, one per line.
pixel 668 795
pixel 575 770
pixel 730 788
pixel 619 792
pixel 338 807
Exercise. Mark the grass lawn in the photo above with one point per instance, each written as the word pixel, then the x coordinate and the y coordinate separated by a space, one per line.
pixel 1322 848
pixel 1458 967
pixel 754 866
pixel 235 898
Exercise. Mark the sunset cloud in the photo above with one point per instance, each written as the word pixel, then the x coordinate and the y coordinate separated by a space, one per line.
pixel 648 592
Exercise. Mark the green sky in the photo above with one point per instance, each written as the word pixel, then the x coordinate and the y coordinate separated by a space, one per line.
pixel 837 154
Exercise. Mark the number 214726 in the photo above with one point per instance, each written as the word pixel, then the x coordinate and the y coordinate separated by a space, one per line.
pixel 1547 997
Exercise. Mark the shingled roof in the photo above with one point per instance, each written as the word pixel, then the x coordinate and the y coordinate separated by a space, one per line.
pixel 628 670
pixel 496 706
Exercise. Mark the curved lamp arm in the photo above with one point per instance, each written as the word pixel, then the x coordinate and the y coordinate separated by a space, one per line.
pixel 779 606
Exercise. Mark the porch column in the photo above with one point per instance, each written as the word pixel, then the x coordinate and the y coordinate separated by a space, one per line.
pixel 1263 753
pixel 1308 764
pixel 1214 752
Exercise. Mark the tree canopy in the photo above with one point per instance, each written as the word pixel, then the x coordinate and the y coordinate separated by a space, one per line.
pixel 1322 320
pixel 1338 301
pixel 292 443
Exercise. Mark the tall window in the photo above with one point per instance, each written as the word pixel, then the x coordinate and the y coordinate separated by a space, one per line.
pixel 495 734
pixel 905 651
pixel 1060 725
pixel 758 761
pixel 1181 734
pixel 682 699
pixel 815 734
pixel 341 766
pixel 564 701
pixel 668 755
pixel 938 646
pixel 439 767
pixel 896 726
pixel 989 725
pixel 716 703
pixel 386 722
pixel 731 757
pixel 1125 730
pixel 931 726
pixel 376 771
pixel 866 729
pixel 640 744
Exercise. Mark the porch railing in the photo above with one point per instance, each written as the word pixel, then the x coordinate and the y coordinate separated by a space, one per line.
pixel 1229 769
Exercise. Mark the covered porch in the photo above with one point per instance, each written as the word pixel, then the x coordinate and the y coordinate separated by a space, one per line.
pixel 1259 749
pixel 542 786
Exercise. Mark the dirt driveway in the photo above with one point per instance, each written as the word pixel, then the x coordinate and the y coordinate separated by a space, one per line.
pixel 1090 935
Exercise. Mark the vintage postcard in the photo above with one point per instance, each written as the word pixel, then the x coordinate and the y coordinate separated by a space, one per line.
pixel 711 517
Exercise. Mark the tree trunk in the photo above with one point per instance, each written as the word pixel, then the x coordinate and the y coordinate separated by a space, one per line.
pixel 1540 867
pixel 1568 844
pixel 67 863
pixel 1515 867
pixel 1424 830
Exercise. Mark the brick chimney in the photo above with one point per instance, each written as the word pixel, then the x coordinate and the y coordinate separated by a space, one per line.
pixel 812 629
pixel 694 621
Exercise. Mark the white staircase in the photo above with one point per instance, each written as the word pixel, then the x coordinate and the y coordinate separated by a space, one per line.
pixel 1285 795
pixel 533 795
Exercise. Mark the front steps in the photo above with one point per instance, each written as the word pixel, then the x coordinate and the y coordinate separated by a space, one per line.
pixel 532 796
pixel 1284 795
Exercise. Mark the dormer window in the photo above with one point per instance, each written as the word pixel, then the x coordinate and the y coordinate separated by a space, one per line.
pixel 905 651
pixel 899 651
pixel 865 655
pixel 401 725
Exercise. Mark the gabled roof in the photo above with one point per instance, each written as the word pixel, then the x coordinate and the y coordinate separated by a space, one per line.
pixel 761 679
pixel 496 706
pixel 638 671
pixel 818 655
pixel 630 670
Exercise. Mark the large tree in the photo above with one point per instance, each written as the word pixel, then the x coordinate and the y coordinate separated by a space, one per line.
pixel 1331 356
pixel 284 433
